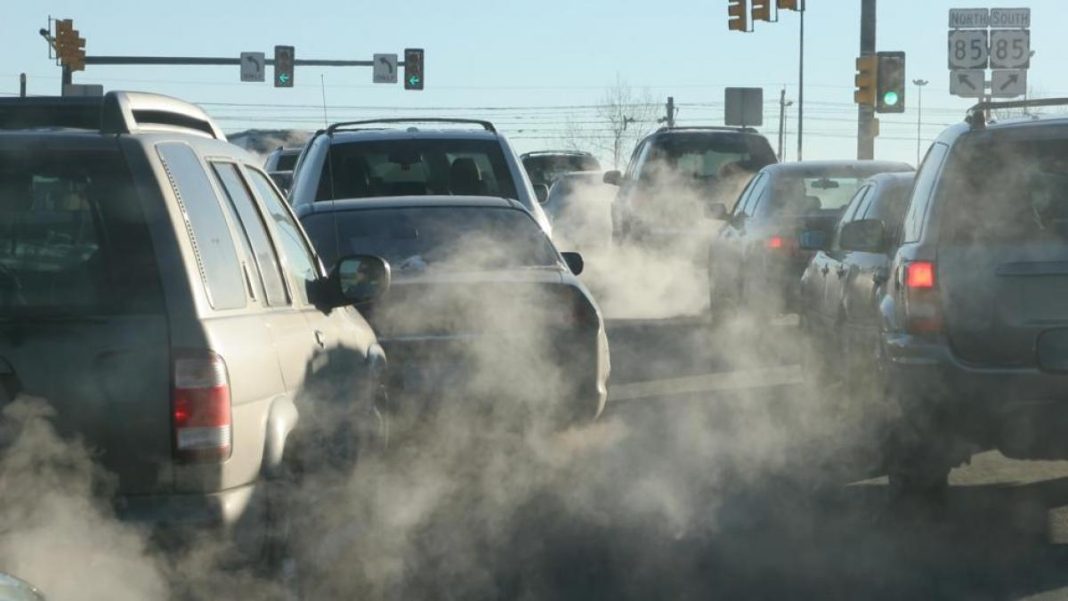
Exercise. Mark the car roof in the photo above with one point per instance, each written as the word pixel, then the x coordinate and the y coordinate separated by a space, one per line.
pixel 411 133
pixel 700 129
pixel 818 168
pixel 893 179
pixel 951 133
pixel 412 202
pixel 549 153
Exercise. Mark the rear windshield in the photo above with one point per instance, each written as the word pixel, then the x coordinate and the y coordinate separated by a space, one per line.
pixel 997 190
pixel 440 238
pixel 416 168
pixel 286 161
pixel 73 238
pixel 798 194
pixel 546 169
pixel 704 158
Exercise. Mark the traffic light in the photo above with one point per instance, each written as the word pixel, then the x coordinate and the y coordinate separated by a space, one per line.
pixel 737 17
pixel 891 83
pixel 413 69
pixel 70 48
pixel 761 10
pixel 789 4
pixel 283 66
pixel 864 79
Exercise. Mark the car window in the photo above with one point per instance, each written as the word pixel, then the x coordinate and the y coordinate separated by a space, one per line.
pixel 1005 191
pixel 752 193
pixel 703 159
pixel 547 169
pixel 860 200
pixel 926 179
pixel 797 194
pixel 248 217
pixel 439 238
pixel 214 248
pixel 416 168
pixel 73 237
pixel 889 205
pixel 299 260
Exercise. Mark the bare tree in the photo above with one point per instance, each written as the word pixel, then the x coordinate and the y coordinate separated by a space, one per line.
pixel 622 118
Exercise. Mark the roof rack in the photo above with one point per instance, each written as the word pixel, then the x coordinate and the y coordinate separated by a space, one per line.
pixel 114 113
pixel 977 115
pixel 746 129
pixel 575 152
pixel 349 124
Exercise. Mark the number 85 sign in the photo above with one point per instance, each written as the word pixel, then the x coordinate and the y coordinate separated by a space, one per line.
pixel 968 49
pixel 1010 48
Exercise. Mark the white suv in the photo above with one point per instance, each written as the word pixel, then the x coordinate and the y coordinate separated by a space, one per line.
pixel 392 157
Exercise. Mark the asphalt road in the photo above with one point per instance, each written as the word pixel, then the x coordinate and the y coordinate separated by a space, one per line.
pixel 791 503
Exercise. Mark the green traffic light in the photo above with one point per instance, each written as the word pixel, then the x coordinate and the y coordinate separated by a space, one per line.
pixel 890 98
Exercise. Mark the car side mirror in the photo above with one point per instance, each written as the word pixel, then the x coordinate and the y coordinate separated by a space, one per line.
pixel 613 177
pixel 716 210
pixel 574 262
pixel 865 235
pixel 812 240
pixel 359 279
pixel 542 192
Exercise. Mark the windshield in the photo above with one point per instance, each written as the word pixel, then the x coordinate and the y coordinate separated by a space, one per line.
pixel 1007 191
pixel 703 159
pixel 546 169
pixel 72 235
pixel 799 195
pixel 286 160
pixel 440 239
pixel 416 167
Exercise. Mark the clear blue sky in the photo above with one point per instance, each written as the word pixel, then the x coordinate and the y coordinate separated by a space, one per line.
pixel 497 54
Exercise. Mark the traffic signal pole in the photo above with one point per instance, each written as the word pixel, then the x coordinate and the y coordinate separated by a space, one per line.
pixel 866 114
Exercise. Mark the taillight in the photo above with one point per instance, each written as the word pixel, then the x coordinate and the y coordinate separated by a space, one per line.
pixel 782 245
pixel 920 274
pixel 775 242
pixel 203 426
pixel 922 311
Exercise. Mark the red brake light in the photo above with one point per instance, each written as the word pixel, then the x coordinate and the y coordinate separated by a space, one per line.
pixel 775 242
pixel 201 414
pixel 920 274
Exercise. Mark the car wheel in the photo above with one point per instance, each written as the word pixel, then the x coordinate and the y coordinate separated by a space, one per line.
pixel 918 458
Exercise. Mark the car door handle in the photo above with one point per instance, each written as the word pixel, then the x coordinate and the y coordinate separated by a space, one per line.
pixel 320 338
pixel 824 270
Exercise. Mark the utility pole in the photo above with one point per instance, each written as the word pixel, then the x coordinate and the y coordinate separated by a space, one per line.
pixel 670 119
pixel 919 115
pixel 801 83
pixel 22 85
pixel 782 119
pixel 866 114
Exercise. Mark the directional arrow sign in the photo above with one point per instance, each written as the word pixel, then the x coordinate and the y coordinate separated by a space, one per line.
pixel 252 66
pixel 385 68
pixel 1008 83
pixel 967 83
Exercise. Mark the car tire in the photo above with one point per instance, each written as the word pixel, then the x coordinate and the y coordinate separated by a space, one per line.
pixel 918 458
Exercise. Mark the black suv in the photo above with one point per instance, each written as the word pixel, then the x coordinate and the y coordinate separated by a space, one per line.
pixel 974 342
pixel 674 173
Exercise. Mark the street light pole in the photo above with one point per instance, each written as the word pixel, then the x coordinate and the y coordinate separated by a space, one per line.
pixel 919 115
pixel 801 82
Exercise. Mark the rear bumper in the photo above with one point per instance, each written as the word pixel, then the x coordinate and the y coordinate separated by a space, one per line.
pixel 426 372
pixel 176 519
pixel 1023 411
